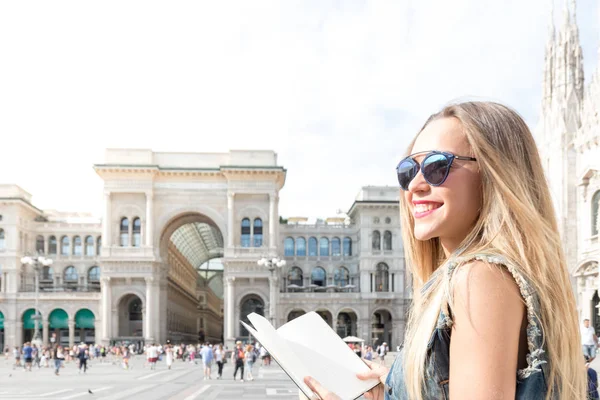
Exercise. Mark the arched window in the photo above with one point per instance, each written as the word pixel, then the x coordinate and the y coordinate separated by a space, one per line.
pixel 39 244
pixel 382 278
pixel 595 216
pixel 288 247
pixel 137 232
pixel 64 246
pixel 341 277
pixel 94 274
pixel 124 232
pixel 376 240
pixel 324 247
pixel 245 232
pixel 387 240
pixel 258 232
pixel 47 274
pixel 70 274
pixel 312 247
pixel 98 245
pixel 295 276
pixel 347 247
pixel 318 277
pixel 336 247
pixel 52 245
pixel 89 246
pixel 301 247
pixel 77 250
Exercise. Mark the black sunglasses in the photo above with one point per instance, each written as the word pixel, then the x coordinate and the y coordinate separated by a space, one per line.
pixel 435 167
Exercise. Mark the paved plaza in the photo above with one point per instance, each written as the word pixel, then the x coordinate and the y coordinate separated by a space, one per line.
pixel 109 381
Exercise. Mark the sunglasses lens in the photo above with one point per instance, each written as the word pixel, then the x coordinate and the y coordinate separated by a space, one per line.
pixel 435 168
pixel 407 170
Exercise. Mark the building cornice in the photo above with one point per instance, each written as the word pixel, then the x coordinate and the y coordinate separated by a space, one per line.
pixel 20 199
pixel 373 204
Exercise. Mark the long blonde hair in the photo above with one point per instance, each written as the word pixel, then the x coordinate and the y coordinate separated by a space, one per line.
pixel 516 221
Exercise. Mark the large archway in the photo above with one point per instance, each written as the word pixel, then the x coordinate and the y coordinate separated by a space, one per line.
pixel 191 246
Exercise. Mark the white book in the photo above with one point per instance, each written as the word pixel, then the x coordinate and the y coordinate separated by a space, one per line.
pixel 307 346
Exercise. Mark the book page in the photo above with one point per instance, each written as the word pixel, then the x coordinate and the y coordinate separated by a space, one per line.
pixel 331 361
pixel 280 349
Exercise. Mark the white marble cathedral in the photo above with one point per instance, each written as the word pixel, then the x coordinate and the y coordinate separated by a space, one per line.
pixel 568 135
pixel 175 256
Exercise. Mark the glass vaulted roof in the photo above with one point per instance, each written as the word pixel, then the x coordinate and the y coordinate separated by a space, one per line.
pixel 198 242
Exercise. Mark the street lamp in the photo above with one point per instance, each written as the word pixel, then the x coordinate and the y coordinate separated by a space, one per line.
pixel 272 264
pixel 37 262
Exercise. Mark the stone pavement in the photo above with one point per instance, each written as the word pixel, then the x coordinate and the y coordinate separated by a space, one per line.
pixel 109 381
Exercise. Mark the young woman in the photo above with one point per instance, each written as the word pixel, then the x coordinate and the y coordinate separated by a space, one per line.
pixel 250 357
pixel 493 313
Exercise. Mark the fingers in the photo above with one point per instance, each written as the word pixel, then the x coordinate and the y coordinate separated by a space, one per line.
pixel 363 376
pixel 315 386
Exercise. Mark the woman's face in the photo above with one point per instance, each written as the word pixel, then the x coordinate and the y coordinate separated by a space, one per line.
pixel 448 211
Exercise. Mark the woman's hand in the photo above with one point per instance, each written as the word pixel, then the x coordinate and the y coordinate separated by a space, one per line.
pixel 377 371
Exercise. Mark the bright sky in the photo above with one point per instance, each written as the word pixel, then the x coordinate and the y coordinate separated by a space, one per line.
pixel 336 88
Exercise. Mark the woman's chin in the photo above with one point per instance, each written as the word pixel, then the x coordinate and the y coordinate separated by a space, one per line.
pixel 423 234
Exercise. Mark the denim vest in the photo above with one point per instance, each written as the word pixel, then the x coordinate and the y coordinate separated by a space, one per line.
pixel 531 382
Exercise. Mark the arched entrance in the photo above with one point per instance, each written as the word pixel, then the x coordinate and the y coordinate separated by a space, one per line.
pixel 346 323
pixel 58 323
pixel 131 317
pixel 381 328
pixel 326 315
pixel 295 314
pixel 250 304
pixel 191 245
pixel 85 324
pixel 29 325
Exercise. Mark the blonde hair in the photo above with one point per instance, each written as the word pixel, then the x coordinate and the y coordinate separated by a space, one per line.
pixel 516 221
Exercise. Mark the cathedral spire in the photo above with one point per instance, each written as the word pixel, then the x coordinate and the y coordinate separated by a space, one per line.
pixel 548 80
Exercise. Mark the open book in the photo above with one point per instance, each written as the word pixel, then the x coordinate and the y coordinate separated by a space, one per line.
pixel 307 346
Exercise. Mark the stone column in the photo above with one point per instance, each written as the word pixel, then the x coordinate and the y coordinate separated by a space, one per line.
pixel 272 220
pixel 45 331
pixel 230 219
pixel 106 239
pixel 151 309
pixel 229 310
pixel 18 338
pixel 106 292
pixel 71 332
pixel 149 219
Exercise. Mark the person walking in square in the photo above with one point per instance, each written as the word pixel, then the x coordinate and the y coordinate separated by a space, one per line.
pixel 237 358
pixel 589 340
pixel 207 357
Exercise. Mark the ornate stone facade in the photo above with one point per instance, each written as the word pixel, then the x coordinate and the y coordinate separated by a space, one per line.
pixel 569 138
pixel 146 290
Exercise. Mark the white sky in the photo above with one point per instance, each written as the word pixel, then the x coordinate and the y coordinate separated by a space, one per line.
pixel 336 88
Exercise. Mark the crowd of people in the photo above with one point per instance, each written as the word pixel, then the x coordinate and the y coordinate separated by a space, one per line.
pixel 212 357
